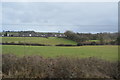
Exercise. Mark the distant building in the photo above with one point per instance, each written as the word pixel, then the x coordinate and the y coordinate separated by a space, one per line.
pixel 8 35
pixel 32 34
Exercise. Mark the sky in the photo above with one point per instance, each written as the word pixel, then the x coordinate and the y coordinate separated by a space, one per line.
pixel 88 17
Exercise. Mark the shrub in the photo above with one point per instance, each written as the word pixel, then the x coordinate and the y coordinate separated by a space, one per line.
pixel 79 44
pixel 65 45
pixel 60 67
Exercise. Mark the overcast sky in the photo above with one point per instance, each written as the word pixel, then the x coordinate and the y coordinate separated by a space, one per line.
pixel 55 16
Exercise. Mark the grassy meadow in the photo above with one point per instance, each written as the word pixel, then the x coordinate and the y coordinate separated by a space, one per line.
pixel 108 52
pixel 23 61
pixel 38 40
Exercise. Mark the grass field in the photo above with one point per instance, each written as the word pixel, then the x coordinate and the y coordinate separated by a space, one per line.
pixel 104 52
pixel 94 40
pixel 38 40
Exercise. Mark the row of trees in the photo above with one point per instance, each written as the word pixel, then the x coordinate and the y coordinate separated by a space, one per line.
pixel 103 38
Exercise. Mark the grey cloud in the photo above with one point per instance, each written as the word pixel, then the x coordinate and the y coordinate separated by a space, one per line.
pixel 64 14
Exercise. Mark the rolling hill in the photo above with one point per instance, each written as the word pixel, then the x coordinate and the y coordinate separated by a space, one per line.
pixel 37 40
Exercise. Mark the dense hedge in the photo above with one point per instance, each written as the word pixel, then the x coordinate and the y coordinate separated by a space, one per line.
pixel 29 44
pixel 78 44
pixel 60 67
pixel 65 45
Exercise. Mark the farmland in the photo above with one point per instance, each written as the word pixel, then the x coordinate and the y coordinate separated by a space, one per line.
pixel 105 52
pixel 108 52
pixel 55 61
pixel 38 40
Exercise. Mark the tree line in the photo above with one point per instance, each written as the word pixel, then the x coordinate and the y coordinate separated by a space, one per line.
pixel 98 38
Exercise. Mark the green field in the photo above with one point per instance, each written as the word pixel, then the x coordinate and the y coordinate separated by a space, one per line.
pixel 94 40
pixel 38 40
pixel 104 52
pixel 108 52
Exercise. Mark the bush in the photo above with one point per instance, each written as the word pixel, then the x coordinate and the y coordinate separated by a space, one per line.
pixel 60 67
pixel 79 44
pixel 93 43
pixel 65 45
pixel 113 42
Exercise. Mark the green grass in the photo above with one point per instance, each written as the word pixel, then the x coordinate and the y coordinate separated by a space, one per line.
pixel 104 52
pixel 38 40
pixel 94 40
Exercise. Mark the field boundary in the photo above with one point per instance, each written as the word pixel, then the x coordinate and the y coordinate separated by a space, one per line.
pixel 32 44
